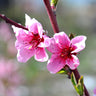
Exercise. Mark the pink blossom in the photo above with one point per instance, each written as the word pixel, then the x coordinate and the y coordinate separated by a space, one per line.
pixel 32 42
pixel 64 51
pixel 5 31
pixel 9 77
pixel 94 91
pixel 8 71
pixel 11 48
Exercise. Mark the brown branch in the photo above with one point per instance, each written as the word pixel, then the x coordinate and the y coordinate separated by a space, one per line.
pixel 12 22
pixel 52 17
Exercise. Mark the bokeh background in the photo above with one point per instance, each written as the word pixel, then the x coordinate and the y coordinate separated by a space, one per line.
pixel 32 78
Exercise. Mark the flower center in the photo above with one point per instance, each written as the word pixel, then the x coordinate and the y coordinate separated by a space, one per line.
pixel 67 52
pixel 36 40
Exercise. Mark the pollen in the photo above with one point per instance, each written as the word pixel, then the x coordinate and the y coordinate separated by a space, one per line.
pixel 62 55
pixel 30 47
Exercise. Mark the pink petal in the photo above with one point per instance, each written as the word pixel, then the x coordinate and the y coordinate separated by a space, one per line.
pixel 21 34
pixel 55 64
pixel 72 62
pixel 62 39
pixel 94 91
pixel 33 25
pixel 53 48
pixel 41 55
pixel 23 40
pixel 27 20
pixel 36 27
pixel 15 29
pixel 24 54
pixel 40 30
pixel 24 44
pixel 18 44
pixel 46 42
pixel 79 42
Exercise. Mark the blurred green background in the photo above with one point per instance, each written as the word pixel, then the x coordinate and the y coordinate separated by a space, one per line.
pixel 73 16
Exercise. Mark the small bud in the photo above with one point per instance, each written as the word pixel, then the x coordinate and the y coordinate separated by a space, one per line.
pixel 71 35
pixel 53 5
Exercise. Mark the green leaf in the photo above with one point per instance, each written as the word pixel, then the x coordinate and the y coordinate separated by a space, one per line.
pixel 62 71
pixel 78 87
pixel 73 79
pixel 81 85
pixel 71 35
pixel 54 2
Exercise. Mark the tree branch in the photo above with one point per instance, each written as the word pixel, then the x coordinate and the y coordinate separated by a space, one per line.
pixel 51 15
pixel 12 22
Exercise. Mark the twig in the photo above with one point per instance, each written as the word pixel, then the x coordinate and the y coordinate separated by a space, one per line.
pixel 12 22
pixel 52 17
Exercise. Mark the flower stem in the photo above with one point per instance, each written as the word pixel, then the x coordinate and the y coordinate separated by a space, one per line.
pixel 55 27
pixel 51 15
pixel 12 22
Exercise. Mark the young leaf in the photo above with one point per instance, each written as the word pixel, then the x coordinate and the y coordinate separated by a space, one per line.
pixel 54 2
pixel 78 87
pixel 71 35
pixel 53 5
pixel 62 71
pixel 81 85
pixel 73 79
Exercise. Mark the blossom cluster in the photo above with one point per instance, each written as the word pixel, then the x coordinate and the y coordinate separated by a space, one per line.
pixel 32 42
pixel 94 91
pixel 8 78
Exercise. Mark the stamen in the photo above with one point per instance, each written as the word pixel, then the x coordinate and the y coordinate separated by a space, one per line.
pixel 30 47
pixel 36 40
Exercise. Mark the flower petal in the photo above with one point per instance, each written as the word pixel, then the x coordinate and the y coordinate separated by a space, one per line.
pixel 79 42
pixel 53 48
pixel 27 20
pixel 24 54
pixel 25 45
pixel 62 39
pixel 35 27
pixel 21 34
pixel 46 42
pixel 55 64
pixel 40 30
pixel 72 62
pixel 18 45
pixel 15 29
pixel 41 55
